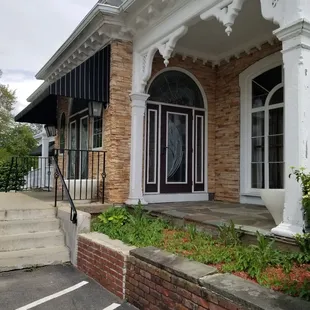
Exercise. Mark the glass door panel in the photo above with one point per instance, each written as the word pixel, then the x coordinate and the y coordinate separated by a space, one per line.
pixel 176 150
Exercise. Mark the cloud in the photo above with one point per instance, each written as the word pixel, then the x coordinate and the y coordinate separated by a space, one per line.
pixel 23 84
pixel 30 34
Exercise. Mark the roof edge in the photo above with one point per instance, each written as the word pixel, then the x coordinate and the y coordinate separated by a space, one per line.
pixel 97 9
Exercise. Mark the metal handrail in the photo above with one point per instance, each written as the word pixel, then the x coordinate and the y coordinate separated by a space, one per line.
pixel 58 174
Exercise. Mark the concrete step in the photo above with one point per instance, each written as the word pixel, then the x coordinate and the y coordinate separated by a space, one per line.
pixel 32 240
pixel 27 213
pixel 28 226
pixel 33 257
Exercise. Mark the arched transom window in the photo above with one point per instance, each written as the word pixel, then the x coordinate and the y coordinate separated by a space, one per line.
pixel 267 130
pixel 176 87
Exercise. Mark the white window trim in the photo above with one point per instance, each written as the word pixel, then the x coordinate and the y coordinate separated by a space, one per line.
pixel 245 83
pixel 92 134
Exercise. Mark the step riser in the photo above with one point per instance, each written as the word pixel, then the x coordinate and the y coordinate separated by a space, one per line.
pixel 12 228
pixel 59 257
pixel 17 243
pixel 11 215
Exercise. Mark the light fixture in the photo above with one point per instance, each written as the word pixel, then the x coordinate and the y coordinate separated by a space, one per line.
pixel 50 130
pixel 95 109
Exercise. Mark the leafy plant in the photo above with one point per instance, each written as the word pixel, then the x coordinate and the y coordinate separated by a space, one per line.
pixel 192 229
pixel 304 179
pixel 229 235
pixel 115 216
pixel 303 242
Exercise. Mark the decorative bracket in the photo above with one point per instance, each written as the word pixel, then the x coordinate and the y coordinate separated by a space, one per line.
pixel 225 14
pixel 273 10
pixel 165 48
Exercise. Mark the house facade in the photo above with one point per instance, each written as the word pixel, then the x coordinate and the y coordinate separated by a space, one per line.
pixel 203 100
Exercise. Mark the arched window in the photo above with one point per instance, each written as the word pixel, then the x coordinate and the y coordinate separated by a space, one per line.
pixel 267 130
pixel 62 133
pixel 176 87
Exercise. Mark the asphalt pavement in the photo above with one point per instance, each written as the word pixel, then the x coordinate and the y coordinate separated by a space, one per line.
pixel 60 287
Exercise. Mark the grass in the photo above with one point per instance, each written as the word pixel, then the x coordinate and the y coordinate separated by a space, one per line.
pixel 283 271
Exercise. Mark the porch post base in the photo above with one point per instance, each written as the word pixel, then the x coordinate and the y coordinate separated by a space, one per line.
pixel 287 230
pixel 135 201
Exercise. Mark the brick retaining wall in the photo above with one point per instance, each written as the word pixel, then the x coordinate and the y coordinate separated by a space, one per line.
pixel 153 279
pixel 104 260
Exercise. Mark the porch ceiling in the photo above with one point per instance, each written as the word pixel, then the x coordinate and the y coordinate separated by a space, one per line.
pixel 207 40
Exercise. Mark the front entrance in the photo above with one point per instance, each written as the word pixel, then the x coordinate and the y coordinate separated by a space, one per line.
pixel 175 136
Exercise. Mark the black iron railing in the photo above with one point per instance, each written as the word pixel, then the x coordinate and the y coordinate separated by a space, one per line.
pixel 83 173
pixel 65 190
pixel 26 173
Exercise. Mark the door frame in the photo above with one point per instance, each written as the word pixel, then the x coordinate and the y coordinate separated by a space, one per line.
pixel 176 187
pixel 155 196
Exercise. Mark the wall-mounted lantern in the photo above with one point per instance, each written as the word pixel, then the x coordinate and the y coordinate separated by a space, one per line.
pixel 95 109
pixel 50 130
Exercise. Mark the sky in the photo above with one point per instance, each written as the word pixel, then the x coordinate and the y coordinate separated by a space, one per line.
pixel 30 33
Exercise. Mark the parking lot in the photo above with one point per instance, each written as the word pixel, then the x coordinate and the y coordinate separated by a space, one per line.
pixel 60 287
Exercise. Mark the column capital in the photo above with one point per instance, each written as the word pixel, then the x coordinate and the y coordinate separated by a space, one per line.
pixel 298 29
pixel 139 99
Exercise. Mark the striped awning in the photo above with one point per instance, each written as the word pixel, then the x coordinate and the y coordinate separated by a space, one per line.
pixel 88 81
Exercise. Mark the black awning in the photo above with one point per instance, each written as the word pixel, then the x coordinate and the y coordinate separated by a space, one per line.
pixel 38 150
pixel 40 111
pixel 89 81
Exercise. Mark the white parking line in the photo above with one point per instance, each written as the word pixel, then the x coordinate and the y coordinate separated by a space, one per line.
pixel 112 307
pixel 50 297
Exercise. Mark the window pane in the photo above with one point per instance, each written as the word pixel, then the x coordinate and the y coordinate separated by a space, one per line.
pixel 276 175
pixel 258 124
pixel 276 121
pixel 278 97
pixel 258 175
pixel 177 148
pixel 263 84
pixel 152 143
pixel 97 132
pixel 199 149
pixel 276 148
pixel 177 88
pixel 258 149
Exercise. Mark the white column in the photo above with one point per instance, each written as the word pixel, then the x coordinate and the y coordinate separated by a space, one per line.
pixel 138 106
pixel 44 159
pixel 296 58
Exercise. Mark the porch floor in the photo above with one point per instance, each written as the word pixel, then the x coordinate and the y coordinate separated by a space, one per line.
pixel 251 218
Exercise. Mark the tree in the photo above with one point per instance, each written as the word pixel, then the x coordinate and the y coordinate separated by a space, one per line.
pixel 15 140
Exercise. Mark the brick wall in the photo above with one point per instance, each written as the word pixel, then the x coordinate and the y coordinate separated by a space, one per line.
pixel 221 86
pixel 153 279
pixel 104 260
pixel 117 120
pixel 150 287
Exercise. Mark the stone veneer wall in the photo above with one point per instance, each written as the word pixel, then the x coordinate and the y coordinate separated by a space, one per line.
pixel 221 86
pixel 117 124
pixel 227 120
pixel 153 279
